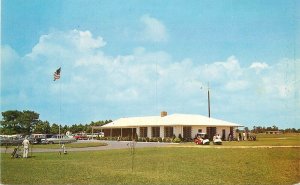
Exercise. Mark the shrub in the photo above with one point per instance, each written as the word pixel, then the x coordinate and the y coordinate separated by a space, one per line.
pixel 176 140
pixel 159 139
pixel 167 139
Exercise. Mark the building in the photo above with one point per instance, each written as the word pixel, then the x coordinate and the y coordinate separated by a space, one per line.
pixel 273 132
pixel 165 125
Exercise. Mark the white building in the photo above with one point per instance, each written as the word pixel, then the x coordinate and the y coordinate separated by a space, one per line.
pixel 187 125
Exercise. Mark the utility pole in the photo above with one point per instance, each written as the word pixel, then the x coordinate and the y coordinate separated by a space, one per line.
pixel 208 99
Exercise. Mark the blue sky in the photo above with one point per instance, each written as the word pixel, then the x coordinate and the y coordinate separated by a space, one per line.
pixel 136 58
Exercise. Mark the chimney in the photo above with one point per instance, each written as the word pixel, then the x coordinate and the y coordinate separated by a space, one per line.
pixel 163 113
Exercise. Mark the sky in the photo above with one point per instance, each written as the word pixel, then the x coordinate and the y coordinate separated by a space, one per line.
pixel 138 58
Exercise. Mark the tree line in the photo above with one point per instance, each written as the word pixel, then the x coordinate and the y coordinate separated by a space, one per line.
pixel 259 129
pixel 28 122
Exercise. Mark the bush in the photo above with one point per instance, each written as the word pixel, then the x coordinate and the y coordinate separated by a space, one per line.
pixel 159 139
pixel 167 140
pixel 176 140
pixel 154 139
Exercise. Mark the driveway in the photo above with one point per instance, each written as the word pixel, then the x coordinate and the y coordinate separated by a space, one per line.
pixel 110 145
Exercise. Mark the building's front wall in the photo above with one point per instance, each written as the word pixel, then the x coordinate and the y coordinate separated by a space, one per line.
pixel 223 131
pixel 198 128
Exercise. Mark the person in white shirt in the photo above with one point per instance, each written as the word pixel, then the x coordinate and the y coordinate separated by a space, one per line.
pixel 25 144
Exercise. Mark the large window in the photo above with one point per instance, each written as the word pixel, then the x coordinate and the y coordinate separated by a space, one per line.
pixel 143 131
pixel 155 131
pixel 168 131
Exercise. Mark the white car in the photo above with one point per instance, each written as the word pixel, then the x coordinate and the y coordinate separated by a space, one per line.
pixel 60 139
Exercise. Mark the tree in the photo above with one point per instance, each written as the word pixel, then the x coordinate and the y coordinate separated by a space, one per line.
pixel 54 129
pixel 17 122
pixel 42 127
pixel 10 123
pixel 28 120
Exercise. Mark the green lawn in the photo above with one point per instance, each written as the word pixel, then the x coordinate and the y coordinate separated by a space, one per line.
pixel 264 140
pixel 157 166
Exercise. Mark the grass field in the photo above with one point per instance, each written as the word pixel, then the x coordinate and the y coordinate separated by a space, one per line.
pixel 265 140
pixel 168 165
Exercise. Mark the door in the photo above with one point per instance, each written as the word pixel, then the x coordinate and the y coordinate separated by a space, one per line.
pixel 211 131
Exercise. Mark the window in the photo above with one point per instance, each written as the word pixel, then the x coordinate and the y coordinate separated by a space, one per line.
pixel 143 132
pixel 155 131
pixel 199 130
pixel 168 131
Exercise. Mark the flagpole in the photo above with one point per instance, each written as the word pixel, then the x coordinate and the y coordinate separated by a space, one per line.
pixel 56 76
pixel 60 94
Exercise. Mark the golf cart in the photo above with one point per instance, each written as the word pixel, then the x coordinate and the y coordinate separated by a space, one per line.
pixel 201 139
pixel 217 140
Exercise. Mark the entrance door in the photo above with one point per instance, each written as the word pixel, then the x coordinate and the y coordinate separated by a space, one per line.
pixel 211 131
pixel 223 134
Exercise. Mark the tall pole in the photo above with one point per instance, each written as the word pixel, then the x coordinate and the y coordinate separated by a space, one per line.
pixel 60 92
pixel 208 99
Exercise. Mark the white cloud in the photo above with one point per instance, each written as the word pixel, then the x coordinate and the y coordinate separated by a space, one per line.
pixel 258 66
pixel 92 79
pixel 8 54
pixel 154 30
pixel 229 69
pixel 69 43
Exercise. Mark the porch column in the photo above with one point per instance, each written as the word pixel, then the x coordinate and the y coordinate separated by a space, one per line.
pixel 149 132
pixel 162 132
pixel 138 131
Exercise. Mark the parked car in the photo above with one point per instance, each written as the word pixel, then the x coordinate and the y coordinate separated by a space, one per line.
pixel 40 138
pixel 80 136
pixel 95 135
pixel 14 140
pixel 56 139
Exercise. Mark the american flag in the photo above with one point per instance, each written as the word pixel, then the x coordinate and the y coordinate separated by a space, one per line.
pixel 57 74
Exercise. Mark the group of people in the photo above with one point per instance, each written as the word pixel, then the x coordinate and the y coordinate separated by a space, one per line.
pixel 244 136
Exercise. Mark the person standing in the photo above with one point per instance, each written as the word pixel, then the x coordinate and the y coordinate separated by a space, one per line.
pixel 25 144
pixel 244 136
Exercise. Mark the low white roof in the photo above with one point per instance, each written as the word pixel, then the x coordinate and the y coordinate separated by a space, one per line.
pixel 169 120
